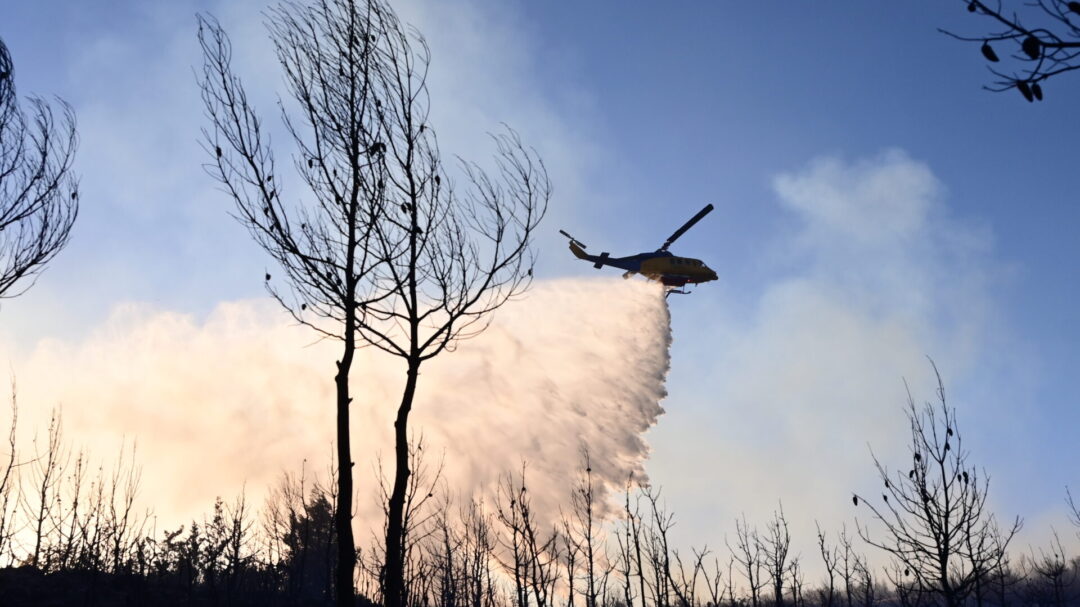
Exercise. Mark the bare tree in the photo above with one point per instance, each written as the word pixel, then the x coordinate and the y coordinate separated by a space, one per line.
pixel 38 191
pixel 326 55
pixel 389 251
pixel 1041 42
pixel 450 258
pixel 829 555
pixel 627 538
pixel 776 546
pixel 532 555
pixel 850 562
pixel 46 472
pixel 935 519
pixel 1052 573
pixel 748 554
pixel 584 539
pixel 797 582
pixel 632 547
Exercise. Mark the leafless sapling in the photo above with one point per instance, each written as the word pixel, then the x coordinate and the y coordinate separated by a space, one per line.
pixel 9 484
pixel 585 540
pixel 625 540
pixel 850 563
pixel 46 473
pixel 531 555
pixel 829 556
pixel 1051 575
pixel 776 548
pixel 748 554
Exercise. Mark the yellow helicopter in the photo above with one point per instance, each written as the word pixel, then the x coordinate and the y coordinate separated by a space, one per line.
pixel 663 266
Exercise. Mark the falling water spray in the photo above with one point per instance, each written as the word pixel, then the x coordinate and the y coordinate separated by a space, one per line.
pixel 230 402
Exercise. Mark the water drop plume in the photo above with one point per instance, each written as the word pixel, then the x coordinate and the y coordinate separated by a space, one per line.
pixel 241 395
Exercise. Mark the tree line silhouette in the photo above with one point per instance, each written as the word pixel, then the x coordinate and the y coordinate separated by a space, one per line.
pixel 72 533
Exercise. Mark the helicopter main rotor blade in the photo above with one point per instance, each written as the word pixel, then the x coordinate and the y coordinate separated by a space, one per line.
pixel 686 226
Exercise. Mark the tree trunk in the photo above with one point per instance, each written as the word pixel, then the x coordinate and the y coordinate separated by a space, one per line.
pixel 343 516
pixel 394 583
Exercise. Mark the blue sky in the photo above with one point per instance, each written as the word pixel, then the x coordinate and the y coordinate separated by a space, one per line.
pixel 645 115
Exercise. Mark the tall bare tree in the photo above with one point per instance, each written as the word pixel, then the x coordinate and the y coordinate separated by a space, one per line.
pixel 1039 42
pixel 38 190
pixel 936 523
pixel 387 252
pixel 448 257
pixel 320 243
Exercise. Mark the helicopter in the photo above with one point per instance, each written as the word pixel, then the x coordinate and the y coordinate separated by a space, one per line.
pixel 672 271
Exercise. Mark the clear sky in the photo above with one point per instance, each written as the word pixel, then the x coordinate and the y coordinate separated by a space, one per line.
pixel 873 206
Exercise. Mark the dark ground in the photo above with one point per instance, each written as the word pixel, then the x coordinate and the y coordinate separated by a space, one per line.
pixel 28 587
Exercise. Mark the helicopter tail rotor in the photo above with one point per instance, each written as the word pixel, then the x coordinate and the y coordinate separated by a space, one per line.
pixel 573 240
pixel 576 246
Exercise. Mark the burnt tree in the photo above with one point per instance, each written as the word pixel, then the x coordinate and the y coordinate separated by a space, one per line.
pixel 387 252
pixel 934 517
pixel 318 236
pixel 448 257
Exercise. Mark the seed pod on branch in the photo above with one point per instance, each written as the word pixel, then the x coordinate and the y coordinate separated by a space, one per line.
pixel 1025 90
pixel 1031 47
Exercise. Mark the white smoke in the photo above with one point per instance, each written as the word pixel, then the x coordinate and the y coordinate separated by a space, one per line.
pixel 233 400
pixel 785 398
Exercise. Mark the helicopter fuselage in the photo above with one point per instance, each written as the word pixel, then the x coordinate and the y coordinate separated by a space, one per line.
pixel 662 266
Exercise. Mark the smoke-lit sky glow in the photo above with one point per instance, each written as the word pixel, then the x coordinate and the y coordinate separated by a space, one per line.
pixel 873 207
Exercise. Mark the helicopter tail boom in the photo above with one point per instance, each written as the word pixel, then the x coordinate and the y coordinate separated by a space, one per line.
pixel 578 250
